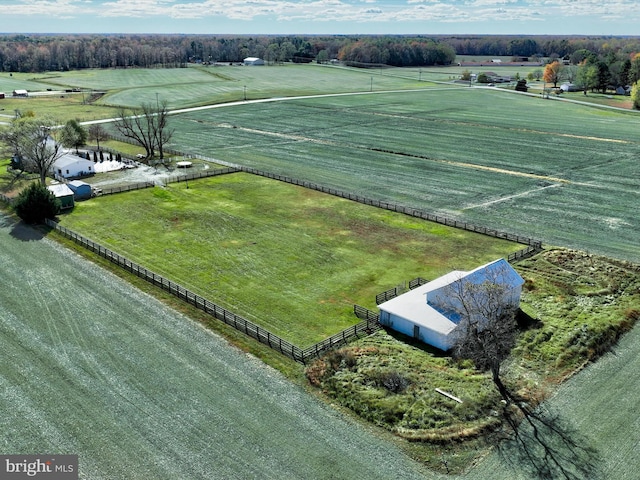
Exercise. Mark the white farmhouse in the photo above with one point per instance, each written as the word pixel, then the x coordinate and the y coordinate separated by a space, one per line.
pixel 425 312
pixel 72 166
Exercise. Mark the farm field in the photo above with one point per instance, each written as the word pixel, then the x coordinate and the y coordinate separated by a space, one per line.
pixel 198 85
pixel 94 367
pixel 289 259
pixel 516 163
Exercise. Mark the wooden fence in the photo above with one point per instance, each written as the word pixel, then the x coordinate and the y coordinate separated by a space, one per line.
pixel 389 294
pixel 532 244
pixel 212 172
pixel 413 212
pixel 416 282
pixel 365 327
pixel 125 188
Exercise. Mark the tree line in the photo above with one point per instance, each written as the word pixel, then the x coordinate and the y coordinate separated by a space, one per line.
pixel 40 53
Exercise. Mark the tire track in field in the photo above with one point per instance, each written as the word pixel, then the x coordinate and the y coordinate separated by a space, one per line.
pixel 511 129
pixel 509 197
pixel 473 166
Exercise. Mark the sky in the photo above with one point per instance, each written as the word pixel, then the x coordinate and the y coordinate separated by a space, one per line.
pixel 424 17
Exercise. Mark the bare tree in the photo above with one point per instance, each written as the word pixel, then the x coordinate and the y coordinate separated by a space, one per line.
pixel 33 143
pixel 137 125
pixel 162 133
pixel 147 126
pixel 486 307
pixel 98 133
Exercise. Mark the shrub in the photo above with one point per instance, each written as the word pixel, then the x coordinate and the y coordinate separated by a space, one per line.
pixel 392 381
pixel 35 203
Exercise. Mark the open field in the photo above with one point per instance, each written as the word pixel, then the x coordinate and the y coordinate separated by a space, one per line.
pixel 91 366
pixel 512 162
pixel 524 165
pixel 200 85
pixel 291 260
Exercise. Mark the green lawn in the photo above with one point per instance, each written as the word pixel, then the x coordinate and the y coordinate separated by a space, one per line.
pixel 292 260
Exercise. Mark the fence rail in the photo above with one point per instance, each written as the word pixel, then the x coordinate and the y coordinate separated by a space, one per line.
pixel 413 212
pixel 416 282
pixel 389 294
pixel 365 327
pixel 197 175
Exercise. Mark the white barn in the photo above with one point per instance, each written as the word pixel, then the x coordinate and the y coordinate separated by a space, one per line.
pixel 253 61
pixel 425 312
pixel 72 166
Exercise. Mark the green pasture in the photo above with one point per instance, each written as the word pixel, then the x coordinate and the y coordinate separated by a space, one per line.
pixel 562 172
pixel 183 87
pixel 21 81
pixel 292 260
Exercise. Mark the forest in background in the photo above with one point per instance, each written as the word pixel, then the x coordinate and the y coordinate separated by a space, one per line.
pixel 40 52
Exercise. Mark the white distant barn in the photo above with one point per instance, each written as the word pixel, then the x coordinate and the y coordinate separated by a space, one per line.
pixel 424 312
pixel 253 61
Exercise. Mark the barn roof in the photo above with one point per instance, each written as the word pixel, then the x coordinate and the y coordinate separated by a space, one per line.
pixel 60 190
pixel 413 305
pixel 70 159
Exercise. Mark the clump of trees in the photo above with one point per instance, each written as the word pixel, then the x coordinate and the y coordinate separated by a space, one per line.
pixel 398 52
pixel 36 203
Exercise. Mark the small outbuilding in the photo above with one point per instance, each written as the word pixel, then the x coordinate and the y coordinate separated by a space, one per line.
pixel 64 194
pixel 71 166
pixel 81 190
pixel 426 313
pixel 1 95
pixel 253 61
pixel 20 93
pixel 568 87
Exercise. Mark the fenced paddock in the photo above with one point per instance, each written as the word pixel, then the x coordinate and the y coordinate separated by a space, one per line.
pixel 365 327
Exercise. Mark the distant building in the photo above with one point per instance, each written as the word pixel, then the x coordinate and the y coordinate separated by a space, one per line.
pixel 568 87
pixel 1 95
pixel 253 61
pixel 20 93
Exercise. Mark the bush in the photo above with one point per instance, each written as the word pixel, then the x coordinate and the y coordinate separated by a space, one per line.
pixel 392 381
pixel 35 203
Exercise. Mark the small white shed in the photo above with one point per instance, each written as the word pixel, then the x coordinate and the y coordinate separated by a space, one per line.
pixel 63 193
pixel 425 312
pixel 253 61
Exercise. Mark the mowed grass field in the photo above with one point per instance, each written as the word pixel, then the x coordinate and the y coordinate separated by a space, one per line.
pixel 93 367
pixel 561 172
pixel 198 85
pixel 290 259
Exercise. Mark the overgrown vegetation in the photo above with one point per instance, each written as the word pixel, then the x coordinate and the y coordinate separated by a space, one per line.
pixel 575 307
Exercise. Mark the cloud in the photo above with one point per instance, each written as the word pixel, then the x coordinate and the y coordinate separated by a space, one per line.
pixel 345 11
